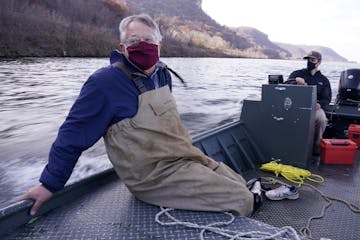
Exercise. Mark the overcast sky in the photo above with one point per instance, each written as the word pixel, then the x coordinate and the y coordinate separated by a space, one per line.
pixel 329 23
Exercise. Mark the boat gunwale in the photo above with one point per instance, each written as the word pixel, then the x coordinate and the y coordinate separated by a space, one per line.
pixel 17 214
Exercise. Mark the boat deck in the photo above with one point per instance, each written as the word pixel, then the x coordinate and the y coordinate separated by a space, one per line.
pixel 338 222
pixel 111 212
pixel 101 207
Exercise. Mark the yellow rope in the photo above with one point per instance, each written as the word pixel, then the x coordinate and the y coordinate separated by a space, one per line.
pixel 293 174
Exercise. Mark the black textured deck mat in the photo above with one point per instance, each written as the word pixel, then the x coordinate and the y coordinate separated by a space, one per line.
pixel 113 213
pixel 339 222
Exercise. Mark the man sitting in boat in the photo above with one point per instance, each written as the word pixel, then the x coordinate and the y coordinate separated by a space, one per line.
pixel 129 104
pixel 311 75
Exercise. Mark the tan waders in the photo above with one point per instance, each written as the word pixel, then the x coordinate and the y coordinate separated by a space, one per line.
pixel 153 155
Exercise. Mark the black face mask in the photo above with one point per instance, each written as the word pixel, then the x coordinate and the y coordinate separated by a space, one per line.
pixel 310 66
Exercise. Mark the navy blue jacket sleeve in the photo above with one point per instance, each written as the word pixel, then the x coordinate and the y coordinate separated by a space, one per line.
pixel 293 75
pixel 85 124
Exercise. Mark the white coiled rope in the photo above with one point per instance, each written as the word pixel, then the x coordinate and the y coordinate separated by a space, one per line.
pixel 283 232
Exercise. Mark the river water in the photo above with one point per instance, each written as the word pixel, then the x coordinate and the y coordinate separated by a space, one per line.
pixel 37 93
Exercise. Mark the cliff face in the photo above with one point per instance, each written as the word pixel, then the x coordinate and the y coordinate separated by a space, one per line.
pixel 189 31
pixel 90 28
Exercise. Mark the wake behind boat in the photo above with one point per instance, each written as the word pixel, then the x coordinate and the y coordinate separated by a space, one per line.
pixel 277 127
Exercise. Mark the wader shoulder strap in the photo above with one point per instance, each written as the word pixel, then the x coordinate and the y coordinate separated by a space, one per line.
pixel 135 77
pixel 166 68
pixel 176 75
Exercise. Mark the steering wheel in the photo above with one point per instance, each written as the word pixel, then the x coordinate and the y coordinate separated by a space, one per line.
pixel 291 81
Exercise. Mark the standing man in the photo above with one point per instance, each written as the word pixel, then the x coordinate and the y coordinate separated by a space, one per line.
pixel 311 75
pixel 129 104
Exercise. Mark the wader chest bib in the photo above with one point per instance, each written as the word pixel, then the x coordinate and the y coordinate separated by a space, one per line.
pixel 153 155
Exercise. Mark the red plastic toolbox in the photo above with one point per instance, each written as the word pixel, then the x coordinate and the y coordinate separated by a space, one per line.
pixel 337 151
pixel 354 133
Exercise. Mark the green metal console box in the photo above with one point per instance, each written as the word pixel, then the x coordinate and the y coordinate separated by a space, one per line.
pixel 282 123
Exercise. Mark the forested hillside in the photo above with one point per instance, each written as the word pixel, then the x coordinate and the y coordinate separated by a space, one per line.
pixel 58 27
pixel 90 28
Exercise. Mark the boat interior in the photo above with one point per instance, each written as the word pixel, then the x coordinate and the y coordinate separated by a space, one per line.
pixel 278 127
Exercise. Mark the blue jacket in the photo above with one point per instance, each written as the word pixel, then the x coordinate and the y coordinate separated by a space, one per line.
pixel 320 81
pixel 107 97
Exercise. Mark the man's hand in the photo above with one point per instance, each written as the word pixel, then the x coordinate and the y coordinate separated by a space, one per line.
pixel 40 194
pixel 300 81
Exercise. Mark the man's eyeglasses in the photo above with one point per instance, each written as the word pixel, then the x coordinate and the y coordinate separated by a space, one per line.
pixel 132 40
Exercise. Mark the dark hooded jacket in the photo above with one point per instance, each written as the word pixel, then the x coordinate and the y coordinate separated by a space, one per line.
pixel 320 81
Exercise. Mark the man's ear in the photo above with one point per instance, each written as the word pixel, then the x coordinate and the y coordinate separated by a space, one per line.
pixel 122 47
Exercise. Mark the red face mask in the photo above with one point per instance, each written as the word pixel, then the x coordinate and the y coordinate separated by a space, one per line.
pixel 144 55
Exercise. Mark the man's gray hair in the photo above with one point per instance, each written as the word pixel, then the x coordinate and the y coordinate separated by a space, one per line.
pixel 142 18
